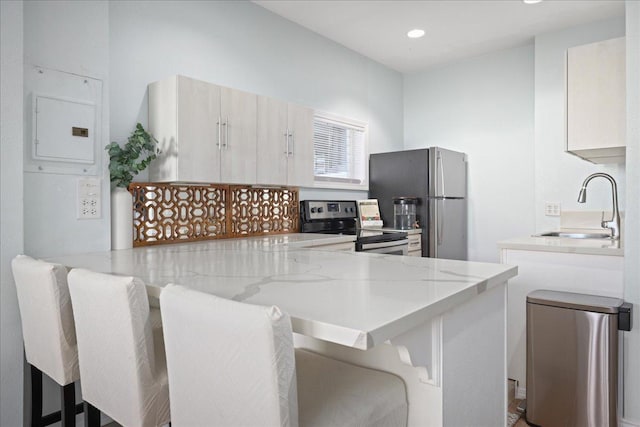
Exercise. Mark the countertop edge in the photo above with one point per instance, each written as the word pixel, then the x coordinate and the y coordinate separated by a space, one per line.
pixel 559 245
pixel 394 329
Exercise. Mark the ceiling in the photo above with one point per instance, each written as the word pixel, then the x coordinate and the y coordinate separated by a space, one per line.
pixel 454 28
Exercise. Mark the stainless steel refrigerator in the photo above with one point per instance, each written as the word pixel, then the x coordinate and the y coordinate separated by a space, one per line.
pixel 438 179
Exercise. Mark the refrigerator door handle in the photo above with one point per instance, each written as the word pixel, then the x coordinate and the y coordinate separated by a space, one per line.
pixel 441 222
pixel 440 166
pixel 434 231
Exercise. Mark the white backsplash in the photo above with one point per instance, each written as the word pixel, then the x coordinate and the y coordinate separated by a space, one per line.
pixel 586 220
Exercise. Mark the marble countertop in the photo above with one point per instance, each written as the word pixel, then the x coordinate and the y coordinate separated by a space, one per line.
pixel 350 298
pixel 562 244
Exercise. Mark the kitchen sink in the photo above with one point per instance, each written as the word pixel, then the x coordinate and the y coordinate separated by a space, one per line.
pixel 571 235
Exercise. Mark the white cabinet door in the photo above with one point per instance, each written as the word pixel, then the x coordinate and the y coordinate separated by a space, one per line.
pixel 163 126
pixel 238 132
pixel 271 165
pixel 183 116
pixel 300 158
pixel 596 109
pixel 198 148
pixel 285 143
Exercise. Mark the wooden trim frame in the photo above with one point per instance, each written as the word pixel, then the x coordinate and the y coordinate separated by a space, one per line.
pixel 182 212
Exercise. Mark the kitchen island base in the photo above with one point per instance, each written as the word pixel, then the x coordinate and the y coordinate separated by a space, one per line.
pixel 453 365
pixel 439 324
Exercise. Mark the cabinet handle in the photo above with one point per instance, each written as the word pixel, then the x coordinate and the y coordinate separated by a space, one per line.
pixel 219 142
pixel 292 143
pixel 226 133
pixel 286 143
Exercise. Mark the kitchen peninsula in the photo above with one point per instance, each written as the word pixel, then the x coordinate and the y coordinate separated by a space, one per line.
pixel 439 324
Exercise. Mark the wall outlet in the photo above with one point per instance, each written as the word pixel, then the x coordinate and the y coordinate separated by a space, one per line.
pixel 89 195
pixel 552 209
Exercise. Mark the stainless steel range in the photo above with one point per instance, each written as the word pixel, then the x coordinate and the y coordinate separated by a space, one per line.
pixel 339 217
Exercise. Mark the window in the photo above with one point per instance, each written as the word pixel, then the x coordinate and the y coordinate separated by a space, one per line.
pixel 340 153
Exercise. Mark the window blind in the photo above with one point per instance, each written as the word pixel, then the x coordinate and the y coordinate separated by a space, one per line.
pixel 339 151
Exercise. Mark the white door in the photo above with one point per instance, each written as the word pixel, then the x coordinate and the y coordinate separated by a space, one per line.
pixel 198 131
pixel 271 165
pixel 300 159
pixel 238 149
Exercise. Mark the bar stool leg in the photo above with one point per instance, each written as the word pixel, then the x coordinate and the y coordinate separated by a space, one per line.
pixel 36 396
pixel 91 415
pixel 68 407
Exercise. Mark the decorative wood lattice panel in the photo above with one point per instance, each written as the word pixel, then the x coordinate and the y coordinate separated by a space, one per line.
pixel 256 211
pixel 174 213
pixel 165 213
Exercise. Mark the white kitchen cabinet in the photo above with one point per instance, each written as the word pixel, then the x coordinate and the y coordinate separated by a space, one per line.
pixel 239 120
pixel 415 244
pixel 560 271
pixel 596 106
pixel 207 133
pixel 285 143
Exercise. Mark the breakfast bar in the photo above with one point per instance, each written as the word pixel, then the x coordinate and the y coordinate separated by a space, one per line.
pixel 438 324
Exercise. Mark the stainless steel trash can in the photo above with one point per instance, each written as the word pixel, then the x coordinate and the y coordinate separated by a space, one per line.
pixel 572 358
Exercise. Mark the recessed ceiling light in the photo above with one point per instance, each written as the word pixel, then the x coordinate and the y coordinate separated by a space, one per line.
pixel 531 1
pixel 415 33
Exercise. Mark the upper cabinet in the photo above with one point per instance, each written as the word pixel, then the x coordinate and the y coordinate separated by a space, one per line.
pixel 596 109
pixel 285 143
pixel 207 133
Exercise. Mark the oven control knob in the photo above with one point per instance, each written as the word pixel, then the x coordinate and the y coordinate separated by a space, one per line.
pixel 313 210
pixel 320 210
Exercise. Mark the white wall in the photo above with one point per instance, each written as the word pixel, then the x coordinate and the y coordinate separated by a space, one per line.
pixel 559 175
pixel 482 106
pixel 69 36
pixel 11 46
pixel 632 247
pixel 73 37
pixel 241 45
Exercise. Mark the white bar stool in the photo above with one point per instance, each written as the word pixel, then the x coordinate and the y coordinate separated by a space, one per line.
pixel 233 364
pixel 122 360
pixel 49 335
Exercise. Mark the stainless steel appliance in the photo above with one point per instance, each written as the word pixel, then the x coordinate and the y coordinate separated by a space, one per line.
pixel 339 217
pixel 572 358
pixel 438 179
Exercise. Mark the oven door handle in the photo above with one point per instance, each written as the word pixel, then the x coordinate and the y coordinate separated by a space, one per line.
pixel 367 246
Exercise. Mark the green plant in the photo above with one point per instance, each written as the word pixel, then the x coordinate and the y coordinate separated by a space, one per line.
pixel 126 162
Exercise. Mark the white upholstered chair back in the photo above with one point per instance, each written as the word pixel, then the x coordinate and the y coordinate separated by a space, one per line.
pixel 120 373
pixel 229 363
pixel 47 318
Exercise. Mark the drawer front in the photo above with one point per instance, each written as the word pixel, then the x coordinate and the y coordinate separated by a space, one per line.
pixel 415 242
pixel 415 245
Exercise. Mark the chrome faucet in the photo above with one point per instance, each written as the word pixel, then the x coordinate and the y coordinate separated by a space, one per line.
pixel 614 223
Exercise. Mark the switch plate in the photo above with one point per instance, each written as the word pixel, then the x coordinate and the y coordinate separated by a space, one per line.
pixel 552 209
pixel 89 196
